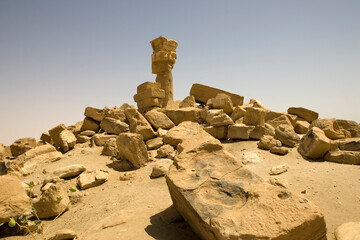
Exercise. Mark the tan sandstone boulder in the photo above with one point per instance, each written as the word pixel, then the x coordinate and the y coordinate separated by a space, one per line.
pixel 90 124
pixel 47 207
pixel 22 145
pixel 131 147
pixel 351 126
pixel 95 113
pixel 267 142
pixel 314 144
pixel 304 113
pixel 219 132
pixel 178 116
pixel 287 135
pixel 92 179
pixel 113 126
pixel 346 157
pixel 254 116
pixel 348 231
pixel 330 127
pixel 138 123
pixel 189 101
pixel 159 120
pixel 221 101
pixel 13 199
pixel 221 199
pixel 217 117
pixel 239 131
pixel 69 171
pixel 203 93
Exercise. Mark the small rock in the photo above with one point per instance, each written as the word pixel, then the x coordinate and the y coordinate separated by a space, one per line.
pixel 278 169
pixel 279 150
pixel 348 231
pixel 166 151
pixel 63 234
pixel 276 181
pixel 92 179
pixel 127 176
pixel 161 168
pixel 69 171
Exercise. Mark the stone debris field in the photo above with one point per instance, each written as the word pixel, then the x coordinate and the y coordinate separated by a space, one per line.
pixel 208 167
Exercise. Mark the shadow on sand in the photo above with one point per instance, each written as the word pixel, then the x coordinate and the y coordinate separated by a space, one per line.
pixel 164 227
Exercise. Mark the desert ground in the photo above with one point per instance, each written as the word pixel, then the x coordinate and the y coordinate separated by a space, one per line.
pixel 140 208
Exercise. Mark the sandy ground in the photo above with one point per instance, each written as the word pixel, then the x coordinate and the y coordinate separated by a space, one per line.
pixel 131 210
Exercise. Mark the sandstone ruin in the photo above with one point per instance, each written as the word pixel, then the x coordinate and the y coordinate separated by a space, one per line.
pixel 217 193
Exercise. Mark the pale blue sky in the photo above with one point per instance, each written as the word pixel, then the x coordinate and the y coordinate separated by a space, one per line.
pixel 58 57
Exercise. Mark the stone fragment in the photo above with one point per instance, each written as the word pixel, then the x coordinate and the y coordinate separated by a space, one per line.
pixel 250 158
pixel 352 144
pixel 149 92
pixel 126 176
pixel 92 179
pixel 22 145
pixel 254 116
pixel 76 128
pixel 131 147
pixel 13 199
pixel 69 171
pixel 203 93
pixel 301 127
pixel 138 123
pixel 166 151
pixel 161 132
pixel 161 168
pixel 279 150
pixel 63 234
pixel 282 119
pixel 276 181
pixel 47 207
pixel 37 151
pixel 351 126
pixel 154 143
pixel 221 199
pixel 347 157
pixel 82 139
pixel 287 135
pixel 87 133
pixel 217 117
pixel 219 132
pixel 304 113
pixel 239 131
pixel 113 126
pixel 258 131
pixel 256 103
pixel 278 169
pixel 348 231
pixel 94 113
pixel 101 138
pixel 110 148
pixel 45 137
pixel 159 120
pixel 189 101
pixel 117 112
pixel 314 144
pixel 267 142
pixel 178 116
pixel 90 124
pixel 330 128
pixel 221 101
pixel 67 140
pixel 237 113
pixel 270 115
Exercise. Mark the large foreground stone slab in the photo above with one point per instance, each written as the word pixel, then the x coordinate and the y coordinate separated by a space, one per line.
pixel 221 199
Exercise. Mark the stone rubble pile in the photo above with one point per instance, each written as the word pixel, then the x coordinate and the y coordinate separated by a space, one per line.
pixel 214 192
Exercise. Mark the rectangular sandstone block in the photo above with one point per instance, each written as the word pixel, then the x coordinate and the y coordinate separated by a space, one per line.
pixel 149 93
pixel 149 102
pixel 142 87
pixel 203 93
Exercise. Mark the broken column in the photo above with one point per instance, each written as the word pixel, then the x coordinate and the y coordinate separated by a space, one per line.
pixel 163 60
pixel 149 95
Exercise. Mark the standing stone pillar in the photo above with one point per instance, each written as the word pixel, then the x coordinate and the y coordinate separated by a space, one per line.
pixel 163 60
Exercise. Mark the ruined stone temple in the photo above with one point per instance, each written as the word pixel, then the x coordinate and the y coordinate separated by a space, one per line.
pixel 216 193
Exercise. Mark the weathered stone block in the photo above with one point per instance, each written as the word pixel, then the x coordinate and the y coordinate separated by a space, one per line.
pixel 314 144
pixel 304 113
pixel 203 93
pixel 239 131
pixel 131 147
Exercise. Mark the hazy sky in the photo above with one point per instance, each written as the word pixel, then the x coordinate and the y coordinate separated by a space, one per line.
pixel 58 57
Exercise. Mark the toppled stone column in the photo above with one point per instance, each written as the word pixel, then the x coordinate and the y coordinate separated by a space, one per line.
pixel 163 60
